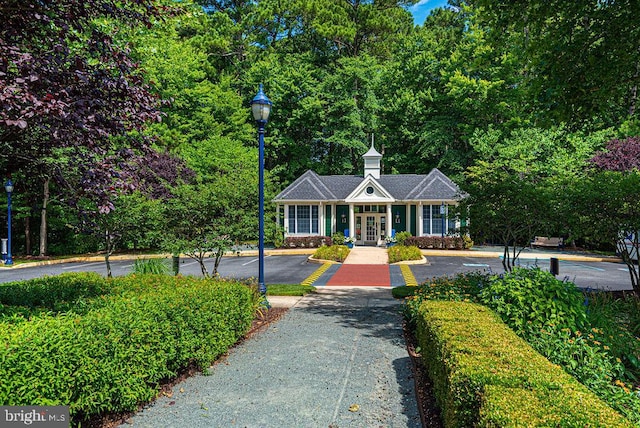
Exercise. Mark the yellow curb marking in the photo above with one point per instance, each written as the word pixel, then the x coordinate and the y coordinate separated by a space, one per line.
pixel 409 279
pixel 315 275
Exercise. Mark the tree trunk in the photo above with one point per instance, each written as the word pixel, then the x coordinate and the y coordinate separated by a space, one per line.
pixel 108 244
pixel 27 235
pixel 43 219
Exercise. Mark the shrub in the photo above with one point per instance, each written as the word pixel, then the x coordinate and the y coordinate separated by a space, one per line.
pixel 485 375
pixel 401 237
pixel 337 253
pixel 307 241
pixel 530 299
pixel 399 253
pixel 113 358
pixel 152 266
pixel 436 242
pixel 338 238
pixel 50 293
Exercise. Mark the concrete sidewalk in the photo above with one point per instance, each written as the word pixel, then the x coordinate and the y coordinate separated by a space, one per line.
pixel 367 256
pixel 336 359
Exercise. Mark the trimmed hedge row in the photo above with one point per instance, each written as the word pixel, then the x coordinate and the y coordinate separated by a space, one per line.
pixel 50 293
pixel 113 358
pixel 307 241
pixel 436 242
pixel 486 376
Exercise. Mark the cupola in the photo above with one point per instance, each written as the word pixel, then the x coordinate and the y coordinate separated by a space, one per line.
pixel 372 162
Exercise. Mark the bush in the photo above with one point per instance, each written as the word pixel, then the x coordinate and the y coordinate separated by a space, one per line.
pixel 337 253
pixel 150 266
pixel 113 358
pixel 307 241
pixel 436 242
pixel 401 237
pixel 338 238
pixel 486 376
pixel 531 299
pixel 50 293
pixel 399 253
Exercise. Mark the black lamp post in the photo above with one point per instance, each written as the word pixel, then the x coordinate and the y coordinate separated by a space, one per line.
pixel 9 188
pixel 261 107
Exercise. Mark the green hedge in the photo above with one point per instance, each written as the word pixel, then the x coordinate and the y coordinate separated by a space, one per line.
pixel 485 375
pixel 399 253
pixel 113 357
pixel 50 293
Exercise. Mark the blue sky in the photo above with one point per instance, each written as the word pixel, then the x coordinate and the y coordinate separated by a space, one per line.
pixel 422 9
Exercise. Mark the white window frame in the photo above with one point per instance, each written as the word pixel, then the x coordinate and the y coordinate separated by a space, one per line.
pixel 295 222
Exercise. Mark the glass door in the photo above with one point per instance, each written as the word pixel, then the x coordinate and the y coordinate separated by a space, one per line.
pixel 372 232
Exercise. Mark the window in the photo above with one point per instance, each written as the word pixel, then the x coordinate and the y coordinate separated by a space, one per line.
pixel 303 219
pixel 432 220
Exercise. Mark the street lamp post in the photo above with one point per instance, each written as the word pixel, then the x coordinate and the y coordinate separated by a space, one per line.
pixel 9 188
pixel 261 107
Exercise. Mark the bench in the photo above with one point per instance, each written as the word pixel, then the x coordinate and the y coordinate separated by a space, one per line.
pixel 546 241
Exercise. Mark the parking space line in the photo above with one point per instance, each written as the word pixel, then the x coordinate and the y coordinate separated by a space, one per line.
pixel 79 266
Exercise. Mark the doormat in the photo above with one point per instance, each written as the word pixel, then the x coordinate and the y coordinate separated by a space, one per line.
pixel 363 275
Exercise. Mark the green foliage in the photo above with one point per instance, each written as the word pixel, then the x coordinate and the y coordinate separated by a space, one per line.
pixel 50 294
pixel 112 358
pixel 479 366
pixel 150 266
pixel 401 237
pixel 398 253
pixel 289 289
pixel 531 299
pixel 337 238
pixel 595 343
pixel 403 291
pixel 337 253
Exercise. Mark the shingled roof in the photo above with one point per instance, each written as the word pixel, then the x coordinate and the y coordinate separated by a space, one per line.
pixel 403 187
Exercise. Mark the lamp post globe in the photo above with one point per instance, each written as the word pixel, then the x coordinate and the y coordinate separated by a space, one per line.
pixel 261 108
pixel 8 187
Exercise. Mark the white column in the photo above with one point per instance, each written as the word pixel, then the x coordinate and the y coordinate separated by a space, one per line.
pixel 321 226
pixel 334 217
pixel 419 217
pixel 407 220
pixel 352 221
pixel 286 220
pixel 390 222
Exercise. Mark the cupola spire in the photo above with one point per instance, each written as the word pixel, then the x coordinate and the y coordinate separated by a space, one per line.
pixel 372 162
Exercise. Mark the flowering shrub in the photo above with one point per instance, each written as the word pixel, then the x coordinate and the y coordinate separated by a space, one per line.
pixel 399 253
pixel 337 253
pixel 306 241
pixel 436 242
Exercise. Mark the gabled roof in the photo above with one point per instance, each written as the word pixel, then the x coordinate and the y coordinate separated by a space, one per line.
pixel 402 187
pixel 435 185
pixel 309 186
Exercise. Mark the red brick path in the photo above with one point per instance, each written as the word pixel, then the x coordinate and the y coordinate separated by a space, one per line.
pixel 371 275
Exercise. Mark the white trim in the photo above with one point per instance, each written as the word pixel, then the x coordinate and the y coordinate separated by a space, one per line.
pixel 380 195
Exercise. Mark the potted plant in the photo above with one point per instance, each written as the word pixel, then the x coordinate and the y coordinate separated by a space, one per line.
pixel 349 241
pixel 390 241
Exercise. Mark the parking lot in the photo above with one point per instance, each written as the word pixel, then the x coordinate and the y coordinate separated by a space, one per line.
pixel 295 269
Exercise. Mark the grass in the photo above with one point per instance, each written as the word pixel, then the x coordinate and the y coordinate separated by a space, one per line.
pixel 289 289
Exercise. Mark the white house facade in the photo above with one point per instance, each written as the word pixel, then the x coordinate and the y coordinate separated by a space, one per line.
pixel 370 207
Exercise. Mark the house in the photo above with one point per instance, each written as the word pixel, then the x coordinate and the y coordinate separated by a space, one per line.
pixel 369 207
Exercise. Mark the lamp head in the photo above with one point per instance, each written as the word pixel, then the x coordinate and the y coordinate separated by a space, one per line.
pixel 9 186
pixel 261 107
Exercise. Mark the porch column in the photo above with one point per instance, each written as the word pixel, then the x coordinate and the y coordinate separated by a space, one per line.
pixel 419 217
pixel 334 217
pixel 352 221
pixel 407 220
pixel 322 228
pixel 390 222
pixel 286 220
